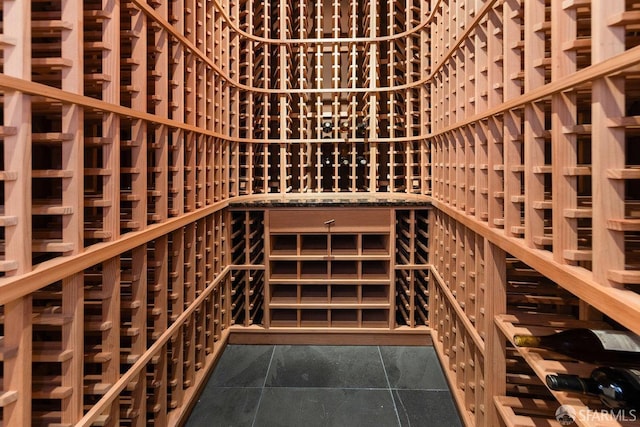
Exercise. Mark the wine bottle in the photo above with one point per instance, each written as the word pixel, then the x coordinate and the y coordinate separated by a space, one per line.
pixel 601 347
pixel 618 388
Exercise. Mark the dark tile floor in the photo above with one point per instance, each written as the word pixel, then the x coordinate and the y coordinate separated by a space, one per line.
pixel 291 386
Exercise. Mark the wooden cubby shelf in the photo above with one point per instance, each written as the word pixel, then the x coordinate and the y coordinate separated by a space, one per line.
pixel 349 275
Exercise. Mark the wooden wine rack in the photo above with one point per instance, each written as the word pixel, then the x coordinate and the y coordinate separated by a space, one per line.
pixel 482 154
pixel 533 168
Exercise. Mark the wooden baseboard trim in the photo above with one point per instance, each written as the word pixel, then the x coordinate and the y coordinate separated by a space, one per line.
pixel 327 336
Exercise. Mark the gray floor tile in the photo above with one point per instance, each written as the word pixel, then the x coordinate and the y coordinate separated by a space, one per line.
pixel 242 366
pixel 424 408
pixel 413 367
pixel 225 407
pixel 326 366
pixel 309 407
pixel 326 386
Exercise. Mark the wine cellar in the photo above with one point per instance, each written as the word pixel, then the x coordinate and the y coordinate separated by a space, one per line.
pixel 179 175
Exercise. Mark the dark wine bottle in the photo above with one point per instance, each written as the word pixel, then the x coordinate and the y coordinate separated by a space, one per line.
pixel 618 388
pixel 600 347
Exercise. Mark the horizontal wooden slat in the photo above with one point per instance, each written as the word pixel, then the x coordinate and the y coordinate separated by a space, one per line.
pixel 7 397
pixel 627 277
pixel 624 224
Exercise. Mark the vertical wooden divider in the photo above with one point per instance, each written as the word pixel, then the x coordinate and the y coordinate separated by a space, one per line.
pixel 139 186
pixel 495 304
pixel 608 145
pixel 564 144
pixel 495 136
pixel 72 195
pixel 534 77
pixel 17 185
pixel 512 170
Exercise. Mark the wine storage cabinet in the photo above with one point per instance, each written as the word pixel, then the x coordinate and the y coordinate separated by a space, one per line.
pixel 330 268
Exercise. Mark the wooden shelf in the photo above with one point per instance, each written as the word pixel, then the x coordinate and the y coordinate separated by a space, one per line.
pixel 331 279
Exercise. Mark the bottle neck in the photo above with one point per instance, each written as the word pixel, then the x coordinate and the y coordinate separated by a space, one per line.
pixel 526 341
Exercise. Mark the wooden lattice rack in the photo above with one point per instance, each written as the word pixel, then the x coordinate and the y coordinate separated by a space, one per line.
pixel 171 173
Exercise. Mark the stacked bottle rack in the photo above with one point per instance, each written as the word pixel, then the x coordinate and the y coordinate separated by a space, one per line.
pixel 533 156
pixel 110 232
pixel 412 267
pixel 247 258
pixel 314 120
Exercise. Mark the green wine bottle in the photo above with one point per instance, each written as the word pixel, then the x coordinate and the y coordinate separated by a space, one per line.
pixel 618 388
pixel 600 347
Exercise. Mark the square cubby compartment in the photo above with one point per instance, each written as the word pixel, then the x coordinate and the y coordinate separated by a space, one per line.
pixel 345 294
pixel 284 244
pixel 344 269
pixel 346 318
pixel 375 244
pixel 375 294
pixel 284 317
pixel 313 270
pixel 284 269
pixel 313 244
pixel 314 294
pixel 284 294
pixel 344 244
pixel 314 317
pixel 375 269
pixel 375 318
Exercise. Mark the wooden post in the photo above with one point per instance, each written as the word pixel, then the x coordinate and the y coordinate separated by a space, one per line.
pixel 607 145
pixel 534 119
pixel 17 166
pixel 563 141
pixel 495 300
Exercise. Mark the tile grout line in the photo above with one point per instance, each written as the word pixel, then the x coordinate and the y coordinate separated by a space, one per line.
pixel 384 369
pixel 264 383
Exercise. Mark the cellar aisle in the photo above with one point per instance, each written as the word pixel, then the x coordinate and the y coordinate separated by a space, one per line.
pixel 276 385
